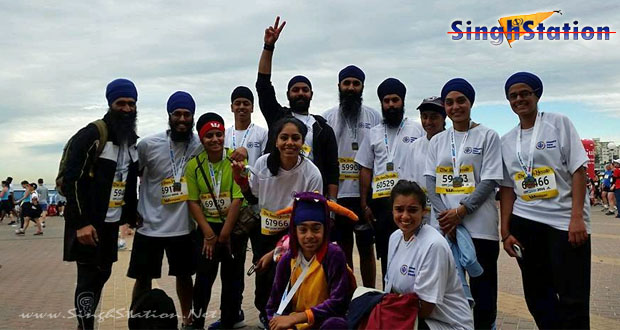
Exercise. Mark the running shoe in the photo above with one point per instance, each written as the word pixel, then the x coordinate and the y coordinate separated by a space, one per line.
pixel 239 323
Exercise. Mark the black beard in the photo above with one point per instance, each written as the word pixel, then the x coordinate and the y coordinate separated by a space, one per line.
pixel 393 116
pixel 299 105
pixel 350 104
pixel 123 124
pixel 177 136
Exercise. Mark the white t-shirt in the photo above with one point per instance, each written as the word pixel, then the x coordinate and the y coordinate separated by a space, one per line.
pixel 417 164
pixel 347 135
pixel 123 156
pixel 373 153
pixel 276 192
pixel 559 147
pixel 482 151
pixel 254 141
pixel 425 266
pixel 161 220
pixel 309 121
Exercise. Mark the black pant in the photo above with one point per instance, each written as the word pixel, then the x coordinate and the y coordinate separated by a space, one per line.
pixel 484 287
pixel 264 280
pixel 556 276
pixel 90 281
pixel 206 274
pixel 384 227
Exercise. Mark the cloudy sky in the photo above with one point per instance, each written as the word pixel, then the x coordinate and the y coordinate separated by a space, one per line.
pixel 57 58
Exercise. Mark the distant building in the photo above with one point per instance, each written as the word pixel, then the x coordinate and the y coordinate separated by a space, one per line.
pixel 604 155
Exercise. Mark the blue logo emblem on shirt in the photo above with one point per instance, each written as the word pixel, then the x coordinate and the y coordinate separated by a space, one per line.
pixel 409 271
pixel 540 145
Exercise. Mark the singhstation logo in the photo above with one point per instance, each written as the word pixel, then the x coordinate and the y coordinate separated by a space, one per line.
pixel 528 27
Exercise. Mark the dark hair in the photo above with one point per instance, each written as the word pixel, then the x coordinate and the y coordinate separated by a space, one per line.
pixel 40 181
pixel 25 182
pixel 408 188
pixel 273 160
pixel 34 186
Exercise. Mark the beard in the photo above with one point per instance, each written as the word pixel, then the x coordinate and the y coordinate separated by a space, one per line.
pixel 123 124
pixel 299 104
pixel 393 116
pixel 177 136
pixel 350 104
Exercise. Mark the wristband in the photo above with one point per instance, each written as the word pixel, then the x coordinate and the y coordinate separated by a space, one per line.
pixel 210 237
pixel 269 47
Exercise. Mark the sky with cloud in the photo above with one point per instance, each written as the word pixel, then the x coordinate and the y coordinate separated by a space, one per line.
pixel 57 58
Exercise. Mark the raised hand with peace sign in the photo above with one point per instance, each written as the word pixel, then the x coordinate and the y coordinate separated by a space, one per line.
pixel 272 33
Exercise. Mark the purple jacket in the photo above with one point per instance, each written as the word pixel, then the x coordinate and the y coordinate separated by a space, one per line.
pixel 338 281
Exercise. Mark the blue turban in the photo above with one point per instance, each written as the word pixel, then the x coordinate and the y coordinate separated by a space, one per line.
pixel 241 91
pixel 527 78
pixel 297 79
pixel 351 72
pixel 181 100
pixel 391 86
pixel 120 88
pixel 459 85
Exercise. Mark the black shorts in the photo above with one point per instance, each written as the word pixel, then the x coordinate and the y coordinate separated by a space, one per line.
pixel 147 254
pixel 344 228
pixel 60 204
pixel 606 189
pixel 103 254
pixel 6 206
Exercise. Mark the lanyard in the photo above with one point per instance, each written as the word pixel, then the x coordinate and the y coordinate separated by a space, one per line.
pixel 177 172
pixel 456 169
pixel 217 185
pixel 288 295
pixel 120 162
pixel 245 135
pixel 390 153
pixel 352 129
pixel 527 169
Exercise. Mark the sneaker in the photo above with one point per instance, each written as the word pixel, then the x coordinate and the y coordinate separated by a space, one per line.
pixel 239 323
pixel 12 223
pixel 43 225
pixel 122 245
pixel 263 321
pixel 19 232
pixel 38 233
pixel 610 213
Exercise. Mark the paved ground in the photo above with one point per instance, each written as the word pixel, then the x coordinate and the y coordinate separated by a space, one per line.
pixel 33 279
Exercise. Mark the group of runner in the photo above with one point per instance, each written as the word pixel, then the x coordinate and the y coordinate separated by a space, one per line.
pixel 422 196
pixel 31 206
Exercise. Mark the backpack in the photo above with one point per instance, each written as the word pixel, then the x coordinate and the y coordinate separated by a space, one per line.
pixel 103 139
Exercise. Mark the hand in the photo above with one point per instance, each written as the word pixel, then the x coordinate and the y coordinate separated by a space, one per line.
pixel 272 33
pixel 139 221
pixel 264 262
pixel 224 241
pixel 577 233
pixel 282 322
pixel 240 154
pixel 449 219
pixel 368 216
pixel 238 168
pixel 509 242
pixel 208 246
pixel 88 235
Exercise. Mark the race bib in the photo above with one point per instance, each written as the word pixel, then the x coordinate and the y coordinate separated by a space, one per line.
pixel 173 193
pixel 271 223
pixel 383 184
pixel 445 182
pixel 349 169
pixel 117 195
pixel 543 187
pixel 223 201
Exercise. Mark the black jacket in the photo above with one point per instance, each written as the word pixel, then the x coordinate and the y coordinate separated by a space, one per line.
pixel 88 197
pixel 324 144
